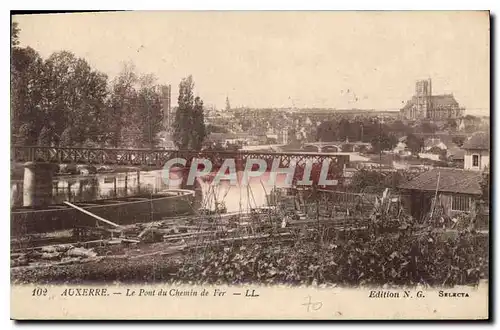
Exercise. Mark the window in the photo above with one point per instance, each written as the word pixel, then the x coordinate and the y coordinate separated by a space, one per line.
pixel 475 160
pixel 460 203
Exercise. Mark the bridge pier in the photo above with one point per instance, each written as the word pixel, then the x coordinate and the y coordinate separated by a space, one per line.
pixel 37 185
pixel 176 174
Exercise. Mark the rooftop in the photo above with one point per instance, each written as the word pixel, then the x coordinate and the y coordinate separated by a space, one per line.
pixel 456 153
pixel 438 101
pixel 478 140
pixel 444 100
pixel 450 180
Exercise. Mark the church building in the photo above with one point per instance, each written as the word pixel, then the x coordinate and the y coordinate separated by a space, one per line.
pixel 424 105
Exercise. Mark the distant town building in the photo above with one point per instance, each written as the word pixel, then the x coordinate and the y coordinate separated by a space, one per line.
pixel 166 101
pixel 443 142
pixel 401 147
pixel 283 136
pixel 477 152
pixel 424 105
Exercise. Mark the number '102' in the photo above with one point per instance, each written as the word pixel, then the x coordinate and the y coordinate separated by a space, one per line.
pixel 39 292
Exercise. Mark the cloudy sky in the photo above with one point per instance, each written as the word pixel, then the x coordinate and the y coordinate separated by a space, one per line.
pixel 276 59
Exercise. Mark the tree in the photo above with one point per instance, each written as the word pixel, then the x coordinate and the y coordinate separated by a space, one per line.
pixel 399 128
pixel 451 125
pixel 45 137
pixel 363 179
pixel 148 113
pixel 347 147
pixel 121 104
pixel 65 139
pixel 75 97
pixel 28 90
pixel 198 125
pixel 383 142
pixel 228 105
pixel 189 125
pixel 485 185
pixel 326 131
pixel 458 140
pixel 24 136
pixel 14 34
pixel 344 128
pixel 472 123
pixel 371 129
pixel 414 143
pixel 61 92
pixel 134 113
pixel 428 128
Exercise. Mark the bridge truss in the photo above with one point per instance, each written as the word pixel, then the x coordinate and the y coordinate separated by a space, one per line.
pixel 158 157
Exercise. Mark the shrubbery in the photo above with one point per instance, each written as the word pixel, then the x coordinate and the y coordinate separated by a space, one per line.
pixel 428 258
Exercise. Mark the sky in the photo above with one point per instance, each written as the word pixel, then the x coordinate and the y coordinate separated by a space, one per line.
pixel 364 60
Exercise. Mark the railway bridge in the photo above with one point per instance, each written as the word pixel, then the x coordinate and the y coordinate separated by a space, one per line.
pixel 41 162
pixel 154 157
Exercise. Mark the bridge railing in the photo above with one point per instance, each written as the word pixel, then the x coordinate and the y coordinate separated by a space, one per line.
pixel 158 157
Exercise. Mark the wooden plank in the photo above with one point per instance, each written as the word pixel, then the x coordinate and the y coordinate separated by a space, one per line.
pixel 93 215
pixel 201 233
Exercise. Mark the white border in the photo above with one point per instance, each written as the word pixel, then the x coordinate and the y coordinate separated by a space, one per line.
pixel 203 5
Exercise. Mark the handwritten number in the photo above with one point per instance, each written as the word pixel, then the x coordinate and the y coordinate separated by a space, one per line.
pixel 312 306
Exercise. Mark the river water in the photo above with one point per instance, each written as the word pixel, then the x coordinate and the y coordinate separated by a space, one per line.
pixel 235 196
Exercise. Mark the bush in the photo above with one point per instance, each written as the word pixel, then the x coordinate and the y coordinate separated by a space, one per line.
pixel 429 259
pixel 66 139
pixel 45 137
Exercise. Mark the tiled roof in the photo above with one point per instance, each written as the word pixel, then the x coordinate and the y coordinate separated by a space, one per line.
pixel 478 140
pixel 450 180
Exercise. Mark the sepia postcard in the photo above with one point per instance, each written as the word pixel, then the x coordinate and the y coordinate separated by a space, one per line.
pixel 252 165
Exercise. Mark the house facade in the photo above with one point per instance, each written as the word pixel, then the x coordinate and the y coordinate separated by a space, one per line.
pixel 476 160
pixel 477 152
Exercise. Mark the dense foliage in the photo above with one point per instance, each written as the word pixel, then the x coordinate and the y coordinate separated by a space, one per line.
pixel 414 143
pixel 382 136
pixel 378 181
pixel 62 100
pixel 189 125
pixel 485 185
pixel 429 259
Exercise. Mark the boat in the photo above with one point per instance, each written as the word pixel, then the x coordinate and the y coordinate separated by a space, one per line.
pixel 122 211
